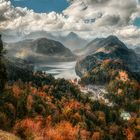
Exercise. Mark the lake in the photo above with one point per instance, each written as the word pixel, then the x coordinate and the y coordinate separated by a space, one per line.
pixel 59 69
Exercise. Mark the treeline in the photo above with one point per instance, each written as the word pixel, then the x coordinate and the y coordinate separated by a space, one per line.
pixel 3 75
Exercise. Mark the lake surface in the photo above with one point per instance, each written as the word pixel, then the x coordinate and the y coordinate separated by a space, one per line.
pixel 59 69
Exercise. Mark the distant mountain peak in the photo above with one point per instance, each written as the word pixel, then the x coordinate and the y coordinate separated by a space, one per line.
pixel 72 34
pixel 109 43
pixel 112 41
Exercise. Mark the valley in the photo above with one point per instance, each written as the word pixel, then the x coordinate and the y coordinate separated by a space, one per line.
pixel 58 69
pixel 69 69
pixel 53 89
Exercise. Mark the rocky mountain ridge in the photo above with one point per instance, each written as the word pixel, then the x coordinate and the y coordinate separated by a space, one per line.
pixel 108 48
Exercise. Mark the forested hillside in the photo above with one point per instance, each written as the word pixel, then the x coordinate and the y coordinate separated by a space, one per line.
pixel 42 107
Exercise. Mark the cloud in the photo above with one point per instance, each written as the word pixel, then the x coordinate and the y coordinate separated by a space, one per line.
pixel 93 18
pixel 23 19
pixel 110 17
pixel 130 34
pixel 103 9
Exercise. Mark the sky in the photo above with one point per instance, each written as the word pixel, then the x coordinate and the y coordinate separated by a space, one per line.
pixel 88 18
pixel 137 22
pixel 42 5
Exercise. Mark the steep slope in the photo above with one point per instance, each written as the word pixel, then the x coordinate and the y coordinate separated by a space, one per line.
pixel 137 50
pixel 50 47
pixel 97 43
pixel 40 50
pixel 111 48
pixel 18 69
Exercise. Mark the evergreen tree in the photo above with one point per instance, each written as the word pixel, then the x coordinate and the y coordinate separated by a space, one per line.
pixel 2 68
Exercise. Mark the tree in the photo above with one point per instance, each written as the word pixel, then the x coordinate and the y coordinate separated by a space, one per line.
pixel 2 68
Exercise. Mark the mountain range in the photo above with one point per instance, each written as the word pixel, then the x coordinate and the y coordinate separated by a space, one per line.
pixel 106 48
pixel 44 50
pixel 71 40
pixel 40 50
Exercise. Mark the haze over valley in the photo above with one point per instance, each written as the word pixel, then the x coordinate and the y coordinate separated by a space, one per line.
pixel 54 58
pixel 69 70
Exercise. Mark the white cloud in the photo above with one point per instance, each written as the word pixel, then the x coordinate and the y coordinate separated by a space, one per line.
pixel 93 18
pixel 24 19
pixel 129 34
pixel 103 9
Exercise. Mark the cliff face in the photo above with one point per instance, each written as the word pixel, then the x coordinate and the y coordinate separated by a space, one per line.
pixel 111 48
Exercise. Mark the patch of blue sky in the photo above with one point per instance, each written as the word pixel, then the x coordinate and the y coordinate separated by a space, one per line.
pixel 42 6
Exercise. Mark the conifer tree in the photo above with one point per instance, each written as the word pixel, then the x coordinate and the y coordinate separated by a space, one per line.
pixel 2 68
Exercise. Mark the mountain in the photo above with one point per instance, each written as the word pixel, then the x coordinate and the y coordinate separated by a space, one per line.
pixel 72 35
pixel 97 43
pixel 50 47
pixel 73 41
pixel 137 50
pixel 110 48
pixel 40 50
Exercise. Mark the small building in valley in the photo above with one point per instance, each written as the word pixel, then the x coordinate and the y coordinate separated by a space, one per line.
pixel 125 115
